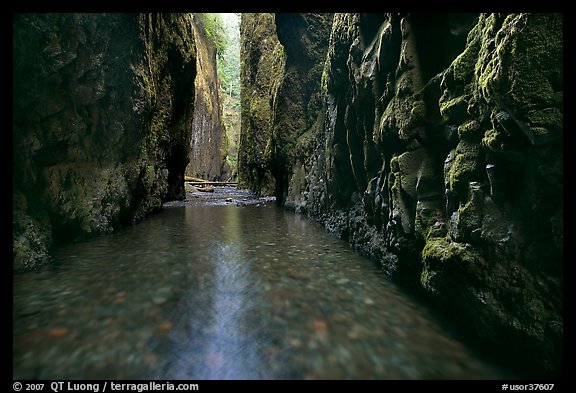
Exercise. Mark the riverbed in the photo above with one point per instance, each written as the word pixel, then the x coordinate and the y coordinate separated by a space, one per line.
pixel 226 286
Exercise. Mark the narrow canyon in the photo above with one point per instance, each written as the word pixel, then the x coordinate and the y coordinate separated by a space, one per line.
pixel 321 196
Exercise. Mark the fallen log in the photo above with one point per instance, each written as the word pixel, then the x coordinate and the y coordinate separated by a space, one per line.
pixel 205 189
pixel 195 179
pixel 212 183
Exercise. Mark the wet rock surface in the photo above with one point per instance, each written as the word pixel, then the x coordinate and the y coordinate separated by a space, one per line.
pixel 212 291
pixel 208 135
pixel 438 153
pixel 102 119
pixel 264 66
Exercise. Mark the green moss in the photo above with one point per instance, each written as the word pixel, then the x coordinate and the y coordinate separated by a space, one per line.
pixel 455 108
pixel 457 171
pixel 520 60
pixel 232 160
pixel 549 117
pixel 418 111
pixel 485 78
pixel 470 131
pixel 492 140
pixel 426 278
pixel 465 167
pixel 306 141
pixel 536 57
pixel 463 65
pixel 469 216
pixel 394 164
pixel 442 251
pixel 433 231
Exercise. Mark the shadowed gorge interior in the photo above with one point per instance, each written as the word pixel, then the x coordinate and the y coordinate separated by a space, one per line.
pixel 416 165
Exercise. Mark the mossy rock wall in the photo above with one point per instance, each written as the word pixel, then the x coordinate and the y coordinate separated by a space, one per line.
pixel 438 152
pixel 282 59
pixel 207 145
pixel 262 61
pixel 103 108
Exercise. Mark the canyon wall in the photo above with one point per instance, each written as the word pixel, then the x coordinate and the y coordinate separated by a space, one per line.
pixel 262 60
pixel 102 107
pixel 208 143
pixel 282 61
pixel 434 145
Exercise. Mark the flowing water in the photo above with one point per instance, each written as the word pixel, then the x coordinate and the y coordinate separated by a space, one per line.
pixel 226 291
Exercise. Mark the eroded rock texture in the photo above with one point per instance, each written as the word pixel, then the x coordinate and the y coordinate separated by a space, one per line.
pixel 103 108
pixel 438 152
pixel 261 72
pixel 282 104
pixel 207 155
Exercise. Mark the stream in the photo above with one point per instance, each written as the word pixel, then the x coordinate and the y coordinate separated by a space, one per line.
pixel 226 286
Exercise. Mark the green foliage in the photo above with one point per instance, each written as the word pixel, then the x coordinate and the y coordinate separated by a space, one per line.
pixel 215 32
pixel 229 63
pixel 232 160
pixel 223 30
pixel 228 66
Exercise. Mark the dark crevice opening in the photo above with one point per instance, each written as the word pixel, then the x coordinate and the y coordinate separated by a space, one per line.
pixel 369 27
pixel 440 38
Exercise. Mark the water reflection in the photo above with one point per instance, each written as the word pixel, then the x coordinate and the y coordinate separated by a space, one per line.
pixel 219 344
pixel 225 292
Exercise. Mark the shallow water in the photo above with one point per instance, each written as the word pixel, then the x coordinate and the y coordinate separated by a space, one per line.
pixel 226 292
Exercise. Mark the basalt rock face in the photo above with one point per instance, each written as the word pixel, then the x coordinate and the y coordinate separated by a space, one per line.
pixel 299 110
pixel 207 156
pixel 439 155
pixel 103 108
pixel 261 73
pixel 283 57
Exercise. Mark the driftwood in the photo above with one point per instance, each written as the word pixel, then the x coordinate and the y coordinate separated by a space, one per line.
pixel 205 189
pixel 195 181
pixel 212 183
